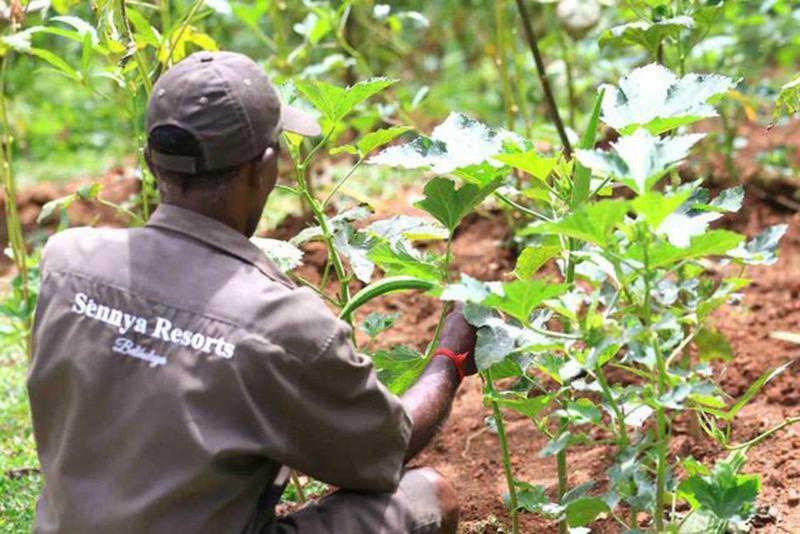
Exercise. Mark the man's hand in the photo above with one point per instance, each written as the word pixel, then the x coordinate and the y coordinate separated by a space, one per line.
pixel 460 336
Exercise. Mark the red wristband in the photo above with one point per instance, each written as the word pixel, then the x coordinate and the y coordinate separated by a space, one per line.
pixel 457 359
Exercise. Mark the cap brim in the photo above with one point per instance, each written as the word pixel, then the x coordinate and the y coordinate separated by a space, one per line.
pixel 299 122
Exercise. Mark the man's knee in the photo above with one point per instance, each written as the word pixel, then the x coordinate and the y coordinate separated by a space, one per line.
pixel 447 496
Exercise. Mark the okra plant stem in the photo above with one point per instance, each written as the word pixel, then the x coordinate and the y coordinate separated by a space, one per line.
pixel 446 307
pixel 501 436
pixel 319 215
pixel 661 415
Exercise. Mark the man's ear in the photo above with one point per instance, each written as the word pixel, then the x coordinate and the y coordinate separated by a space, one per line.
pixel 265 169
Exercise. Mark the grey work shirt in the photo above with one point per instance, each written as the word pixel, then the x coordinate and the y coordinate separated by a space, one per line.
pixel 176 371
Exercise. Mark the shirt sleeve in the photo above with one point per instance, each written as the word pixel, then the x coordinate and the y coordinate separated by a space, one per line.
pixel 346 428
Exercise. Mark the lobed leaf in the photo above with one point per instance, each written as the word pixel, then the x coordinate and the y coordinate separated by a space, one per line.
pixel 653 98
pixel 283 254
pixel 663 254
pixel 532 258
pixel 693 217
pixel 591 222
pixel 372 140
pixel 399 367
pixel 647 34
pixel 458 142
pixel 639 160
pixel 519 298
pixel 405 227
pixel 449 205
pixel 763 249
pixel 530 162
pixel 336 102
pixel 404 260
pixel 376 323
pixel 724 492
pixel 654 207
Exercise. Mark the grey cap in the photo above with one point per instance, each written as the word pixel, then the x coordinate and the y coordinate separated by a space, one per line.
pixel 228 104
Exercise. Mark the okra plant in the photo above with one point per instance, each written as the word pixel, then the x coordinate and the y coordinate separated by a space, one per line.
pixel 605 343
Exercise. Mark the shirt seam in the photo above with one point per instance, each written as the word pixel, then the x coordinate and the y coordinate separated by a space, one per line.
pixel 327 344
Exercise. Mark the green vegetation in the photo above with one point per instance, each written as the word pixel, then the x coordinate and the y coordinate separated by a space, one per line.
pixel 19 479
pixel 590 115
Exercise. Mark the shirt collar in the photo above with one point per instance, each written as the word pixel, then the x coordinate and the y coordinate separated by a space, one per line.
pixel 217 234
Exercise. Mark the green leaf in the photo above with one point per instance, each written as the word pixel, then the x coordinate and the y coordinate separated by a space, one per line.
pixel 555 446
pixel 529 497
pixel 398 368
pixel 57 204
pixel 655 207
pixel 20 41
pixel 583 176
pixel 449 205
pixel 143 31
pixel 585 510
pixel 89 191
pixel 654 98
pixel 372 140
pixel 521 297
pixel 467 290
pixel 283 254
pixel 313 27
pixel 753 390
pixel 582 412
pixel 725 493
pixel 376 323
pixel 788 100
pixel 335 102
pixel 591 222
pixel 530 162
pixel 62 6
pixel 87 52
pixel 481 174
pixel 458 142
pixel 404 260
pixel 81 26
pixel 405 227
pixel 713 243
pixel 499 341
pixel 250 12
pixel 763 249
pixel 527 406
pixel 532 258
pixel 694 216
pixel 713 345
pixel 639 160
pixel 62 66
pixel 355 246
pixel 647 34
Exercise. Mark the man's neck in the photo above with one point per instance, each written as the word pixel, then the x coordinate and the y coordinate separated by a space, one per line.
pixel 214 211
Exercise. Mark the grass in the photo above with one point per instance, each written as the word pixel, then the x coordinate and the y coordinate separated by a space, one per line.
pixel 20 480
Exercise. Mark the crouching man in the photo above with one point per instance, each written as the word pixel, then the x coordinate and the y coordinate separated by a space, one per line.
pixel 177 375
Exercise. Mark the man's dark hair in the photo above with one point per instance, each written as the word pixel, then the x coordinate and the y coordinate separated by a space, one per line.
pixel 176 141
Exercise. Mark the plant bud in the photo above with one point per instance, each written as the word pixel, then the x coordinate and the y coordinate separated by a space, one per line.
pixel 578 16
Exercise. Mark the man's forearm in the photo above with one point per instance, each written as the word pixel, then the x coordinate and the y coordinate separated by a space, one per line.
pixel 429 400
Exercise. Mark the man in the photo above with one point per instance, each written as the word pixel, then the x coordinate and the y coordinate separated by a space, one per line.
pixel 177 375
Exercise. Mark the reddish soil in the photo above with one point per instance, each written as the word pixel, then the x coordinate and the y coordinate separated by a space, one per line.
pixel 468 453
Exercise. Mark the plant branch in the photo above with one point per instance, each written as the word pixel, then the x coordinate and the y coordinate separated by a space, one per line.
pixel 501 436
pixel 542 71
